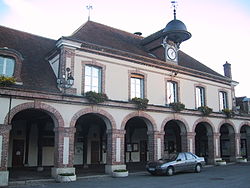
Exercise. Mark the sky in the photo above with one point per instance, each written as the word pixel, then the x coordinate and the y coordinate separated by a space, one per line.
pixel 220 29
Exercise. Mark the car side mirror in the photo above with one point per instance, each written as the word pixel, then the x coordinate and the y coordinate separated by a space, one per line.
pixel 178 160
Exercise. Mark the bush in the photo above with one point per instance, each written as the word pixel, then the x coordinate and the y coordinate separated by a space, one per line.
pixel 205 110
pixel 7 81
pixel 229 113
pixel 177 106
pixel 141 104
pixel 95 98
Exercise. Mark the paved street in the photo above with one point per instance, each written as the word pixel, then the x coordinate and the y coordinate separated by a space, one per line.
pixel 230 176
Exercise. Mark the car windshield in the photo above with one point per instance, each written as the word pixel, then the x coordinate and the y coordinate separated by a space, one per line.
pixel 170 156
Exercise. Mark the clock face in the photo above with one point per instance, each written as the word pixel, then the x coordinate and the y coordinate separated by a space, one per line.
pixel 171 53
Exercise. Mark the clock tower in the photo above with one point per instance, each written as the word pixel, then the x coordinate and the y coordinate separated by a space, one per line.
pixel 173 35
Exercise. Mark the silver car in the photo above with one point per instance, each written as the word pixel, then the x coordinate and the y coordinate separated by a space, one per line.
pixel 176 162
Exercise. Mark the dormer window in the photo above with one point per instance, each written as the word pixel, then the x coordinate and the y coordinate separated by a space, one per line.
pixel 7 65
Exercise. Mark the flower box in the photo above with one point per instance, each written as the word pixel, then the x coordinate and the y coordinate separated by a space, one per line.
pixel 65 178
pixel 220 162
pixel 120 173
pixel 241 160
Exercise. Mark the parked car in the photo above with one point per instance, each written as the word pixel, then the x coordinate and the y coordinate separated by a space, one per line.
pixel 176 162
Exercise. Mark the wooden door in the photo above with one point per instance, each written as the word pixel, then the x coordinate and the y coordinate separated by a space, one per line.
pixel 95 152
pixel 17 153
pixel 143 151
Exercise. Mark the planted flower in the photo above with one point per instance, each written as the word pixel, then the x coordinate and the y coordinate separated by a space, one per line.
pixel 95 98
pixel 7 81
pixel 140 103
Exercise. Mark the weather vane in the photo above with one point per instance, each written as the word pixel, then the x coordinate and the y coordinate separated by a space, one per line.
pixel 89 7
pixel 174 5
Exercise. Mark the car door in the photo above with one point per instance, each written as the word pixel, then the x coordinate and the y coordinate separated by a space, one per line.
pixel 191 161
pixel 180 162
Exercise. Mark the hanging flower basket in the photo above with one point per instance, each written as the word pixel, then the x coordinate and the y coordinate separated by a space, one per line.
pixel 140 103
pixel 96 98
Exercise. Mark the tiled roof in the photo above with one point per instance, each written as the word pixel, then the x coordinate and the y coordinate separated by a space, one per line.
pixel 36 73
pixel 112 38
pixel 103 35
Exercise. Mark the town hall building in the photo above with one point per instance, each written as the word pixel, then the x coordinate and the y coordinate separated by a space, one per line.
pixel 103 96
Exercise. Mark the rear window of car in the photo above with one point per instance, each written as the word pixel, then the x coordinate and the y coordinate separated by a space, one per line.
pixel 190 156
pixel 181 156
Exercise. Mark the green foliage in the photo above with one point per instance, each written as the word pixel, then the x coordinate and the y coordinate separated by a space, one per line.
pixel 229 113
pixel 95 98
pixel 177 106
pixel 205 110
pixel 7 81
pixel 141 104
pixel 120 170
pixel 66 174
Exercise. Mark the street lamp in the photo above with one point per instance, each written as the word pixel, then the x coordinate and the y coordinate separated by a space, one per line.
pixel 67 80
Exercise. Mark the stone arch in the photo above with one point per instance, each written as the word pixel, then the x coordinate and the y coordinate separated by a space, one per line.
pixel 242 124
pixel 176 118
pixel 54 114
pixel 203 120
pixel 107 117
pixel 226 121
pixel 151 125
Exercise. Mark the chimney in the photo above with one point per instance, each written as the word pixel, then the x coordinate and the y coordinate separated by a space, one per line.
pixel 227 70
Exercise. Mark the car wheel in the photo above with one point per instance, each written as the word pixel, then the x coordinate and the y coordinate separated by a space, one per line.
pixel 170 171
pixel 198 168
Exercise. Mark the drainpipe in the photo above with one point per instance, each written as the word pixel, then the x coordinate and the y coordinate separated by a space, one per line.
pixel 10 102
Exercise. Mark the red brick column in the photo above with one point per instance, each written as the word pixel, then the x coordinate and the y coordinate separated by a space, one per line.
pixel 235 146
pixel 4 135
pixel 248 146
pixel 191 142
pixel 213 147
pixel 64 150
pixel 115 150
pixel 115 143
pixel 155 147
pixel 184 142
pixel 4 148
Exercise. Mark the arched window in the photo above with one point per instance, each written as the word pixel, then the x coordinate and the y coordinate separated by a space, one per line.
pixel 7 65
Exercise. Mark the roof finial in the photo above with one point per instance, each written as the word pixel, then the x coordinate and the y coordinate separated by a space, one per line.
pixel 89 7
pixel 174 5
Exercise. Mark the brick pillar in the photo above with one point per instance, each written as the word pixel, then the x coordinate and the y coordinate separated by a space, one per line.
pixel 155 145
pixel 213 147
pixel 64 150
pixel 4 149
pixel 191 142
pixel 234 146
pixel 115 150
pixel 248 146
pixel 184 142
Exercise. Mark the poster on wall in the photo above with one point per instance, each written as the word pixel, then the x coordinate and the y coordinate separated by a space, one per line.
pixel 129 147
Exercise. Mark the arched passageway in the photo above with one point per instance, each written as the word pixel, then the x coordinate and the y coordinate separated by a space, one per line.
pixel 31 144
pixel 204 146
pixel 136 141
pixel 175 139
pixel 245 141
pixel 91 142
pixel 227 142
